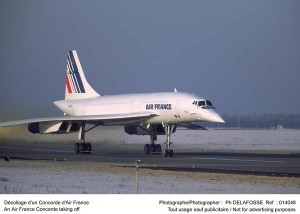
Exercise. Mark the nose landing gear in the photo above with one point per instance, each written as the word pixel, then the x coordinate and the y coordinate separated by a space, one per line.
pixel 168 130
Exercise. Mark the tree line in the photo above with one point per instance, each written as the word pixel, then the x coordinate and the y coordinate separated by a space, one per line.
pixel 263 121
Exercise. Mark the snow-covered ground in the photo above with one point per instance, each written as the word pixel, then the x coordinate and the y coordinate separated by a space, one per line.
pixel 70 177
pixel 269 140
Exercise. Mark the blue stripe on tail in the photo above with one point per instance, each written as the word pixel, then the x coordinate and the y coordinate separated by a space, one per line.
pixel 76 74
pixel 73 79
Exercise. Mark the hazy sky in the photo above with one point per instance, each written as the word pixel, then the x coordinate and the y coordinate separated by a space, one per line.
pixel 243 55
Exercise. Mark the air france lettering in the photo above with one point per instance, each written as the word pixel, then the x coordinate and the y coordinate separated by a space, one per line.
pixel 159 106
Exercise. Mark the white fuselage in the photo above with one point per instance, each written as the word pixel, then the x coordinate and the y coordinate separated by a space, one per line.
pixel 171 107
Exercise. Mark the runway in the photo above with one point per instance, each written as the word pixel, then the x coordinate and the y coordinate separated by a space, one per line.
pixel 125 155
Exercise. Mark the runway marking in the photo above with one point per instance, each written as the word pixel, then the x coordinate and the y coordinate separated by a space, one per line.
pixel 227 159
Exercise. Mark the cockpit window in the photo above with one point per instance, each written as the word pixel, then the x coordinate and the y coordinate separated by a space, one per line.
pixel 205 104
pixel 208 103
pixel 201 103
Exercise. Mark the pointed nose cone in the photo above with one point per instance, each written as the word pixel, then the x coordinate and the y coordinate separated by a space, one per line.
pixel 218 119
pixel 214 117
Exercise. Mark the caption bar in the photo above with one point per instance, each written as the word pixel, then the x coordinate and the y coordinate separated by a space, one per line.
pixel 149 204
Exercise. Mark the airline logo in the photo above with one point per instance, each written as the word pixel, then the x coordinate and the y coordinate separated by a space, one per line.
pixel 159 106
pixel 73 79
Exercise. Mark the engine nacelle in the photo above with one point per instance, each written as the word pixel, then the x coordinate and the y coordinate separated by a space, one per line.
pixel 143 130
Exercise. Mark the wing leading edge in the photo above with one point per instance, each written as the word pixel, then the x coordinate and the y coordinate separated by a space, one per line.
pixel 108 119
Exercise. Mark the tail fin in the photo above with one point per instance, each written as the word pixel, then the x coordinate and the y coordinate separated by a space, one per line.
pixel 77 87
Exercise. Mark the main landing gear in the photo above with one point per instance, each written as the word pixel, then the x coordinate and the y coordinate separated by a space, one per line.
pixel 82 147
pixel 153 148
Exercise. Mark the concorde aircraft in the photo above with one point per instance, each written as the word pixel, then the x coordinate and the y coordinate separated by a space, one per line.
pixel 141 114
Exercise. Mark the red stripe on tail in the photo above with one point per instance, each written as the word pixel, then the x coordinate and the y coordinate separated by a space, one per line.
pixel 68 85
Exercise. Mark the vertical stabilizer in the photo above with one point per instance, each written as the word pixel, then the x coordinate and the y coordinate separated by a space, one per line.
pixel 77 87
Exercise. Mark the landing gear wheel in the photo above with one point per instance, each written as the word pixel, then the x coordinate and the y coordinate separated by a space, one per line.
pixel 147 149
pixel 166 153
pixel 77 148
pixel 158 148
pixel 152 148
pixel 82 147
pixel 89 147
